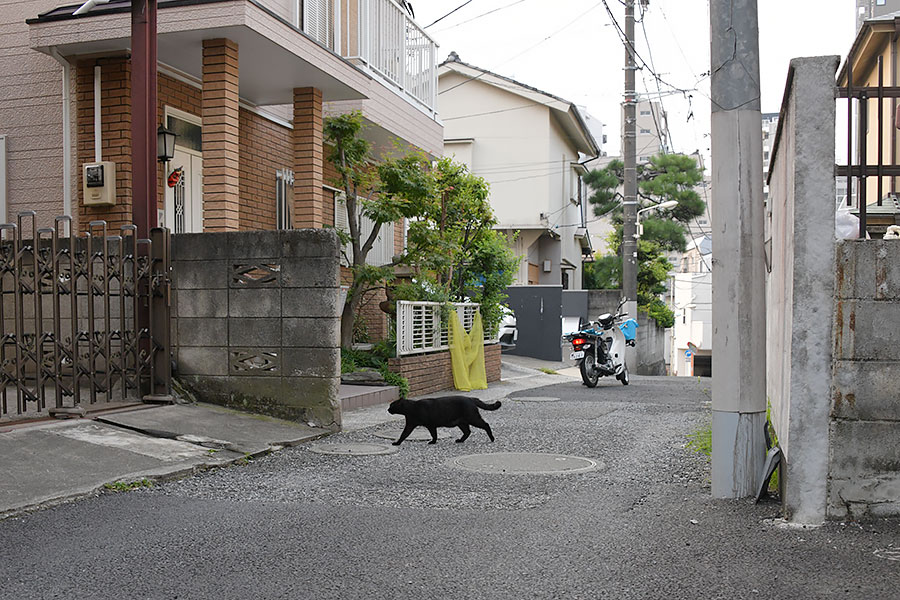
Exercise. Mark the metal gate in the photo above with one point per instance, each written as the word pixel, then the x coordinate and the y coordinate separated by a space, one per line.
pixel 85 320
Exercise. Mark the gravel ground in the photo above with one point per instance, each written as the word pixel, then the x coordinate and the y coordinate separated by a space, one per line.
pixel 297 524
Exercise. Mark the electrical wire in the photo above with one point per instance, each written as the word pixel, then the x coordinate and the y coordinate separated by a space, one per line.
pixel 528 49
pixel 448 14
pixel 475 18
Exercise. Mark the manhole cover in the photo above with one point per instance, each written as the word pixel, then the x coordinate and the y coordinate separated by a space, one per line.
pixel 888 553
pixel 353 449
pixel 514 463
pixel 535 399
pixel 419 434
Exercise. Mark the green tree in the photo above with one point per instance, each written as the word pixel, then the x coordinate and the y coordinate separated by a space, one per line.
pixel 395 189
pixel 451 243
pixel 666 177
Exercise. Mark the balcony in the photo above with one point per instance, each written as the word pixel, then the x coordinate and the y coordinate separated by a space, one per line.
pixel 382 37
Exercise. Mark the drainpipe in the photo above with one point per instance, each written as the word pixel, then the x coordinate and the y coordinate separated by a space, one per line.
pixel 67 131
pixel 98 133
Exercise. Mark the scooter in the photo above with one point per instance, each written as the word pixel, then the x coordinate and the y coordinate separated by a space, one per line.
pixel 599 346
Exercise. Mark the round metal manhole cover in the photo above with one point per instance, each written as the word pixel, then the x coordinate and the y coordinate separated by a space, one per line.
pixel 353 449
pixel 888 553
pixel 522 463
pixel 419 434
pixel 535 399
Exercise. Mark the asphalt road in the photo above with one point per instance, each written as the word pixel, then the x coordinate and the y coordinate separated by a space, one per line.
pixel 298 524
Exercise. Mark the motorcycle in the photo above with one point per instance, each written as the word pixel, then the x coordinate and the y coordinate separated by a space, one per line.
pixel 599 346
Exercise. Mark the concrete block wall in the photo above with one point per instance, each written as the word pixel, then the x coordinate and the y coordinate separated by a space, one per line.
pixel 430 373
pixel 256 321
pixel 864 461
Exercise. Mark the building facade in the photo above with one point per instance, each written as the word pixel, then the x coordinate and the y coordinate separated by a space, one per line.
pixel 244 84
pixel 529 145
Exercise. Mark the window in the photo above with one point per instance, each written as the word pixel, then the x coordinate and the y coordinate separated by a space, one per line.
pixel 645 131
pixel 187 128
pixel 879 2
pixel 284 199
pixel 382 251
pixel 645 113
pixel 316 19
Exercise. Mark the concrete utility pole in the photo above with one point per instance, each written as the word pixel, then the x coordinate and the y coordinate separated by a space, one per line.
pixel 629 242
pixel 738 269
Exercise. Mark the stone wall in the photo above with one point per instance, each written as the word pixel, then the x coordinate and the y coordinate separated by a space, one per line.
pixel 430 373
pixel 864 469
pixel 256 321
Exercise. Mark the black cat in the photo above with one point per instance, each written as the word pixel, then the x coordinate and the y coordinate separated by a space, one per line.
pixel 446 411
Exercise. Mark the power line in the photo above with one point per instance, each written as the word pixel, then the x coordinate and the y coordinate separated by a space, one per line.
pixel 528 49
pixel 448 14
pixel 475 18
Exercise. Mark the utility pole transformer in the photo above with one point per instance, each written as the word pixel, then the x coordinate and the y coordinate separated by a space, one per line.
pixel 738 268
pixel 629 228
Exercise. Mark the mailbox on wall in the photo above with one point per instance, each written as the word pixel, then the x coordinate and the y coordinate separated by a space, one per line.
pixel 99 183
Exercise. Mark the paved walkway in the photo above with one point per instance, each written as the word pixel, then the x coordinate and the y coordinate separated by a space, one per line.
pixel 57 461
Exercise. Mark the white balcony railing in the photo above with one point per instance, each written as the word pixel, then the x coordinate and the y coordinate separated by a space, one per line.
pixel 420 328
pixel 382 36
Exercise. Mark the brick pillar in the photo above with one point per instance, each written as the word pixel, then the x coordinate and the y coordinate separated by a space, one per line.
pixel 309 207
pixel 220 110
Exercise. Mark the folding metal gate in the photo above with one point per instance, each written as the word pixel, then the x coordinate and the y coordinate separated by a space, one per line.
pixel 85 320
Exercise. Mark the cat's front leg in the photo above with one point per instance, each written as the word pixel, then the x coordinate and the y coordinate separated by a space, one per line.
pixel 405 434
pixel 433 432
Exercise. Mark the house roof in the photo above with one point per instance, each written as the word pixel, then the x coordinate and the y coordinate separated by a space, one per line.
pixel 862 47
pixel 569 115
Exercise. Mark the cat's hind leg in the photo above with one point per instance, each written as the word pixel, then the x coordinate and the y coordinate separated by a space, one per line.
pixel 433 432
pixel 405 434
pixel 464 427
pixel 483 425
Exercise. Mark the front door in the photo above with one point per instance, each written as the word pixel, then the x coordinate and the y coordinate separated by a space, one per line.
pixel 184 195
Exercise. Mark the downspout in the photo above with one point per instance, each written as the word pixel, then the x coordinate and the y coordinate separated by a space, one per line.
pixel 67 131
pixel 98 135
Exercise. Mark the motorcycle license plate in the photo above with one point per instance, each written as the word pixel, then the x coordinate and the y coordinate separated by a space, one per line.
pixel 577 355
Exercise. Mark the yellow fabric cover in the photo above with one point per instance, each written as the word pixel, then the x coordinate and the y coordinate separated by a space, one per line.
pixel 467 354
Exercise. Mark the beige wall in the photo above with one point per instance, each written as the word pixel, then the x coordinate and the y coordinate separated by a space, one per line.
pixel 30 116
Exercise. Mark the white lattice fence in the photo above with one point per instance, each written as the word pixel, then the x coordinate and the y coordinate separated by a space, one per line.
pixel 420 328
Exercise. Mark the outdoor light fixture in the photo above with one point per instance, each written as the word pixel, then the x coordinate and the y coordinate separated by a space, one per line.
pixel 660 206
pixel 165 144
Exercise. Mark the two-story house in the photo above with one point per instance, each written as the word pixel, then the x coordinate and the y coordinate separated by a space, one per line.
pixel 529 145
pixel 244 83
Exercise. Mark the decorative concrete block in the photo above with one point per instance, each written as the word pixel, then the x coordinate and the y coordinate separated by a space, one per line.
pixel 866 390
pixel 200 275
pixel 202 332
pixel 855 266
pixel 254 303
pixel 310 302
pixel 311 273
pixel 317 332
pixel 254 332
pixel 255 362
pixel 194 360
pixel 199 246
pixel 311 362
pixel 202 303
pixel 887 270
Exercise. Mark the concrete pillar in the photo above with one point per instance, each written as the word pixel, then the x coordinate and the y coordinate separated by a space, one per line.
pixel 738 269
pixel 221 155
pixel 309 160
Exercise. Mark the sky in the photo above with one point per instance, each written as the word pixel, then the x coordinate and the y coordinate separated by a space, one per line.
pixel 569 48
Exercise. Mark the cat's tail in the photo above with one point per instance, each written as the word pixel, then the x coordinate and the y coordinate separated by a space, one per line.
pixel 486 406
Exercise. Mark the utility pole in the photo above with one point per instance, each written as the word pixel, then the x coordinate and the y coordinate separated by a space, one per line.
pixel 143 115
pixel 738 268
pixel 629 229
